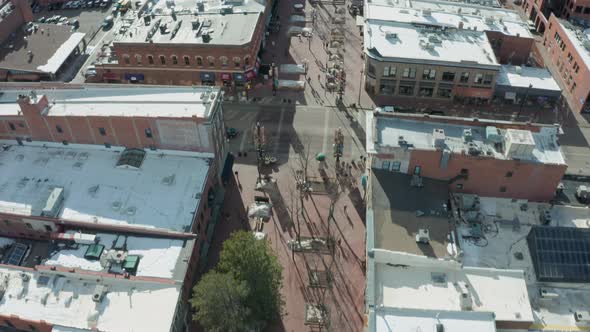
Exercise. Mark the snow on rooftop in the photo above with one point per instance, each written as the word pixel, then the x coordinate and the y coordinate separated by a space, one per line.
pixel 128 306
pixel 420 135
pixel 163 193
pixel 405 41
pixel 412 320
pixel 417 282
pixel 62 53
pixel 516 76
pixel 121 101
pixel 158 256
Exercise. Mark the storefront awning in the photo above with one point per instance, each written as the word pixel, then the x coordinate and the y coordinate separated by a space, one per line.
pixel 111 76
pixel 250 74
pixel 134 77
pixel 225 77
pixel 238 77
pixel 208 76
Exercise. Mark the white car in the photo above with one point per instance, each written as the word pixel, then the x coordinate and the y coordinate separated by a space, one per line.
pixel 90 71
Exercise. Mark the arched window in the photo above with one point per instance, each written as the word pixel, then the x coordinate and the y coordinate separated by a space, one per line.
pixel 211 61
pixel 174 60
pixel 138 59
pixel 237 61
pixel 126 59
pixel 162 59
pixel 187 60
pixel 150 59
pixel 223 60
pixel 199 61
pixel 247 61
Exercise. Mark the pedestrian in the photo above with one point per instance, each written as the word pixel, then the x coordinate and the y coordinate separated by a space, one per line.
pixel 319 76
pixel 339 242
pixel 344 208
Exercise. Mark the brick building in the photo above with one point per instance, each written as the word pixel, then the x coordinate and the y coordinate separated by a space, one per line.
pixel 568 47
pixel 13 14
pixel 93 166
pixel 539 11
pixel 440 50
pixel 205 45
pixel 487 158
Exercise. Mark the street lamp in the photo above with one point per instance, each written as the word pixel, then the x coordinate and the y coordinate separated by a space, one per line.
pixel 526 94
pixel 360 87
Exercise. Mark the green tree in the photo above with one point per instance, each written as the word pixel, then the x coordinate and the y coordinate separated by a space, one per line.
pixel 252 260
pixel 220 303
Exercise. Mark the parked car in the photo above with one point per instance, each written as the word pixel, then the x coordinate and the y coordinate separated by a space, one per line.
pixel 63 20
pixel 104 3
pixel 75 23
pixel 90 71
pixel 41 19
pixel 107 23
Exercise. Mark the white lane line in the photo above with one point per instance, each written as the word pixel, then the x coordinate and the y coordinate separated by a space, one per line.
pixel 278 137
pixel 327 112
pixel 245 135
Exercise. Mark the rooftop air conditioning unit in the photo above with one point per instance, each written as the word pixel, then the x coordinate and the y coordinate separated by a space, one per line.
pixel 423 236
pixel 53 203
pixel 466 301
pixel 99 292
pixel 546 294
pixel 391 35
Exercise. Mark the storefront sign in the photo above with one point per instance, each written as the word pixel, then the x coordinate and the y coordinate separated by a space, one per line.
pixel 134 77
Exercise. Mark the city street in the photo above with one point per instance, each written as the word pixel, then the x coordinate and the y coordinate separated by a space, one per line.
pixel 290 131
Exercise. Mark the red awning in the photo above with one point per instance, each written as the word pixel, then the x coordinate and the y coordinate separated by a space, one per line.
pixel 111 76
pixel 225 77
pixel 250 74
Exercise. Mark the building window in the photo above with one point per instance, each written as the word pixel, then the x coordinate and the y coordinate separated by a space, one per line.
pixel 387 87
pixel 573 87
pixel 28 225
pixel 444 92
pixel 464 77
pixel 385 164
pixel 162 59
pixel 509 174
pixel 395 166
pixel 429 74
pixel 478 78
pixel 448 76
pixel 174 60
pixel 247 61
pixel 151 59
pixel 237 61
pixel 223 60
pixel 587 10
pixel 199 61
pixel 488 78
pixel 102 131
pixel 371 70
pixel 58 128
pixel 409 73
pixel 138 59
pixel 426 91
pixel 148 132
pixel 126 59
pixel 48 228
pixel 211 61
pixel 459 186
pixel 187 60
pixel 502 189
pixel 11 125
pixel 389 71
pixel 406 90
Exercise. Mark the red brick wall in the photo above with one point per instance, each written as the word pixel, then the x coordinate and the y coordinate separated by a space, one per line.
pixel 562 68
pixel 25 325
pixel 514 50
pixel 487 175
pixel 180 73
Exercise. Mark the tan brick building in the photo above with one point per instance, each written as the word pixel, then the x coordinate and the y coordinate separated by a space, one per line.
pixel 206 45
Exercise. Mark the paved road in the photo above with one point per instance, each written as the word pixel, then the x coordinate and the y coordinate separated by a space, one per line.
pixel 289 128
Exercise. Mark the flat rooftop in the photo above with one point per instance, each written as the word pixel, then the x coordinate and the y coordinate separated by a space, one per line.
pixel 417 282
pixel 412 320
pixel 395 40
pixel 162 193
pixel 506 224
pixel 579 37
pixel 400 210
pixel 226 23
pixel 521 77
pixel 67 300
pixel 120 100
pixel 451 15
pixel 419 134
pixel 44 50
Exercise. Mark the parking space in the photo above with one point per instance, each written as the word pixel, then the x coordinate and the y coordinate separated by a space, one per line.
pixel 90 19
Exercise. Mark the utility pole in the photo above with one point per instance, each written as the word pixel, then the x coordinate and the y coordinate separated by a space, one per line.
pixel 523 101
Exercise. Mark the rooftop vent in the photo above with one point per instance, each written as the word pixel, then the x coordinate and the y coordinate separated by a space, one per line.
pixel 423 236
pixel 391 35
pixel 439 138
pixel 99 292
pixel 427 12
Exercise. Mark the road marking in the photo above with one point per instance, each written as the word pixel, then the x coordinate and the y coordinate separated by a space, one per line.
pixel 327 112
pixel 244 136
pixel 278 138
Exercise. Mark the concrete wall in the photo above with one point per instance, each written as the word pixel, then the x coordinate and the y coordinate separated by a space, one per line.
pixel 572 72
